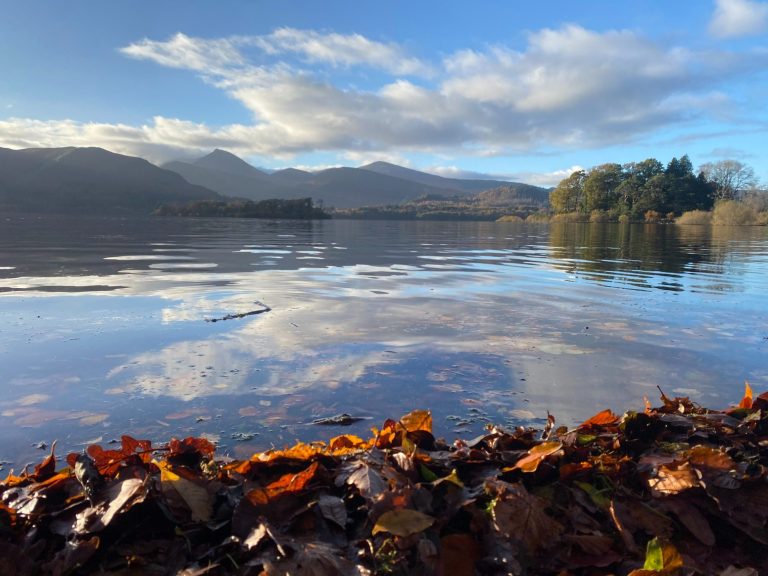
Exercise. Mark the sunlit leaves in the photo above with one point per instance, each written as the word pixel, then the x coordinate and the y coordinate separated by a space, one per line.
pixel 677 478
pixel 530 462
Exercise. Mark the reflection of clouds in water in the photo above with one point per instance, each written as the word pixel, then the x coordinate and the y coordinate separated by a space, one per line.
pixel 331 342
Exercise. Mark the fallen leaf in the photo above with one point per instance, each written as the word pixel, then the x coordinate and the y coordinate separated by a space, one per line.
pixel 531 461
pixel 194 495
pixel 746 402
pixel 662 557
pixel 417 420
pixel 673 480
pixel 332 508
pixel 367 480
pixel 520 515
pixel 403 522
pixel 604 418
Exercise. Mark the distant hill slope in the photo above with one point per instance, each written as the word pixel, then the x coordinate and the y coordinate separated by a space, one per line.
pixel 513 193
pixel 456 184
pixel 88 180
pixel 227 162
pixel 238 184
pixel 376 184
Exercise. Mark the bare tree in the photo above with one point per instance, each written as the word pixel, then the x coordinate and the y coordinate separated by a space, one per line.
pixel 730 178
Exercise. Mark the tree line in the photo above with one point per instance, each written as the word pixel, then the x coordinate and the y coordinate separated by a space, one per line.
pixel 299 209
pixel 635 189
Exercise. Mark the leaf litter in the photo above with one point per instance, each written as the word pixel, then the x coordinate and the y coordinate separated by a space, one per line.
pixel 673 490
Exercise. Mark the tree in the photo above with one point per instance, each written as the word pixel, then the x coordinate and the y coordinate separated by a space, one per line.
pixel 600 187
pixel 730 178
pixel 568 196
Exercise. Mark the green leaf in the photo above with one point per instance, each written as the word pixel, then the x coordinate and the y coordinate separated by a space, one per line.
pixel 654 557
pixel 427 474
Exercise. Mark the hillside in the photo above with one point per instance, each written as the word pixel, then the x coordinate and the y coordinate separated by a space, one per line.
pixel 376 184
pixel 468 186
pixel 88 180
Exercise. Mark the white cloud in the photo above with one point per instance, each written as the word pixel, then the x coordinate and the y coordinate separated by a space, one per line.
pixel 544 179
pixel 188 53
pixel 569 88
pixel 736 18
pixel 342 50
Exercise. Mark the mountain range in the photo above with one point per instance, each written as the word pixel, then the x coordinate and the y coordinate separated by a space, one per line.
pixel 378 183
pixel 88 180
pixel 98 181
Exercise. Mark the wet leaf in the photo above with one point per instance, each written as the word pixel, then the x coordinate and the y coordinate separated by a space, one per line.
pixel 403 522
pixel 417 420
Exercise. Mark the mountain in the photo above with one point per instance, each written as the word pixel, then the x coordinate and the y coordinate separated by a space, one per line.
pixel 256 186
pixel 354 187
pixel 229 163
pixel 88 180
pixel 374 184
pixel 291 175
pixel 455 184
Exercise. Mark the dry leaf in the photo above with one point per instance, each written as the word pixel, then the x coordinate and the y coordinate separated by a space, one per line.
pixel 403 522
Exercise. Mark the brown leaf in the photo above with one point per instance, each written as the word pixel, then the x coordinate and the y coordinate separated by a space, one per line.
pixel 460 553
pixel 595 544
pixel 521 515
pixel 403 522
pixel 530 462
pixel 417 420
pixel 290 483
pixel 604 418
pixel 47 467
pixel 691 518
pixel 194 495
pixel 673 480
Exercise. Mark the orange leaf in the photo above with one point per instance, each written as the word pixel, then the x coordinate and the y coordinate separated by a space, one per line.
pixel 47 467
pixel 300 451
pixel 286 484
pixel 604 418
pixel 530 462
pixel 346 443
pixel 746 402
pixel 417 420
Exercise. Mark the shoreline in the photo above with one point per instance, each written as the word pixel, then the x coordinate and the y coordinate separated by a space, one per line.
pixel 673 489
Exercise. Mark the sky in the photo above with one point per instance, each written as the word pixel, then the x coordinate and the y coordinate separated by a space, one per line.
pixel 528 91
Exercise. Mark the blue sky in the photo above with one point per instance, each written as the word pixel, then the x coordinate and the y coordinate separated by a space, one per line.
pixel 521 90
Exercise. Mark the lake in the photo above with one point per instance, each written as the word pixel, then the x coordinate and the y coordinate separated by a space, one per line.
pixel 105 325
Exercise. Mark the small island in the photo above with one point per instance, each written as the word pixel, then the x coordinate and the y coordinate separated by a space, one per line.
pixel 293 209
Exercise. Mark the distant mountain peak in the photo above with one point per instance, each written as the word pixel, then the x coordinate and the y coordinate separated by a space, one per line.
pixel 224 161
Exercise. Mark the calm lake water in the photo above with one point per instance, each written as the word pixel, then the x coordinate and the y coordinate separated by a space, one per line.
pixel 103 325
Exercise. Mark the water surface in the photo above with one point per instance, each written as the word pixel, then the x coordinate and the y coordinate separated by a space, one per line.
pixel 104 331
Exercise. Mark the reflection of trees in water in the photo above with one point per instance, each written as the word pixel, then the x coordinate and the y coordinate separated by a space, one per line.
pixel 650 255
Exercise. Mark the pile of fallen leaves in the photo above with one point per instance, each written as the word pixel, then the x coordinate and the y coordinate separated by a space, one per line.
pixel 677 489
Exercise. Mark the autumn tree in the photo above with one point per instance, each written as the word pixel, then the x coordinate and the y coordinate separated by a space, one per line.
pixel 568 196
pixel 601 185
pixel 729 177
